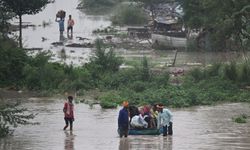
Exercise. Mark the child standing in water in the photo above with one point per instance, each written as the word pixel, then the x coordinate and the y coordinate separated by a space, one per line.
pixel 68 110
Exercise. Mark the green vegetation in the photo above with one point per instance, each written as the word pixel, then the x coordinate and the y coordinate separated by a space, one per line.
pixel 129 14
pixel 98 5
pixel 124 12
pixel 22 7
pixel 5 15
pixel 223 22
pixel 240 119
pixel 107 30
pixel 11 116
pixel 151 5
pixel 139 84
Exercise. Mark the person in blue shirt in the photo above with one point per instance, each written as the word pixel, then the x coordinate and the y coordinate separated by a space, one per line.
pixel 123 120
pixel 61 25
pixel 165 119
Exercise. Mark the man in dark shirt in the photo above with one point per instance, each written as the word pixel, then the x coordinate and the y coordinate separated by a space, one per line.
pixel 123 120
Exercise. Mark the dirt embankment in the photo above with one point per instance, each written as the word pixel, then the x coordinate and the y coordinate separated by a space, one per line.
pixel 14 94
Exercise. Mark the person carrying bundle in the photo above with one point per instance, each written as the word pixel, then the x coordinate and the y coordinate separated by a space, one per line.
pixel 61 15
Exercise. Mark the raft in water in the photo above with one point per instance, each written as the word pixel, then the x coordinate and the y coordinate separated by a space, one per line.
pixel 152 131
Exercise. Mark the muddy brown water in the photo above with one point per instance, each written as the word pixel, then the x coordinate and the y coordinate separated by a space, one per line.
pixel 84 25
pixel 204 127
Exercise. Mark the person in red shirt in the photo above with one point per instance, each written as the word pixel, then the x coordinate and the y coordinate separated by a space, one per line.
pixel 71 23
pixel 68 110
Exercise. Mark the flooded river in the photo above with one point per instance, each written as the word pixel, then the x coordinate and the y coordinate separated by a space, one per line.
pixel 206 127
pixel 40 36
pixel 84 25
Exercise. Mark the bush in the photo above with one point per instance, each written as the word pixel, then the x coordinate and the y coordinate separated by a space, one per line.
pixel 244 73
pixel 196 74
pixel 214 70
pixel 161 80
pixel 40 74
pixel 241 119
pixel 104 60
pixel 230 71
pixel 129 15
pixel 110 99
pixel 139 86
pixel 76 79
pixel 12 62
pixel 90 4
pixel 192 44
pixel 11 116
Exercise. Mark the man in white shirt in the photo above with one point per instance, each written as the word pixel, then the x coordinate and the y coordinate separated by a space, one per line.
pixel 165 119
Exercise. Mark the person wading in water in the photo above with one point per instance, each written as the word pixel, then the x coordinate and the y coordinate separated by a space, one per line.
pixel 68 110
pixel 71 23
pixel 165 119
pixel 123 120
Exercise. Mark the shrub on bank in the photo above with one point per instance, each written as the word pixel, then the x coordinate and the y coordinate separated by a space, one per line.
pixel 240 119
pixel 93 4
pixel 129 15
pixel 12 62
pixel 110 99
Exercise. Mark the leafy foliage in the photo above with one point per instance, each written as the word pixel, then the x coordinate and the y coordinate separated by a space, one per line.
pixel 241 119
pixel 151 4
pixel 22 7
pixel 110 99
pixel 97 3
pixel 222 20
pixel 11 116
pixel 129 15
pixel 12 62
pixel 5 15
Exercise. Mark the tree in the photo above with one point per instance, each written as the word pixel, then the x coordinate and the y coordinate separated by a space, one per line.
pixel 12 62
pixel 222 20
pixel 11 116
pixel 22 7
pixel 4 17
pixel 151 4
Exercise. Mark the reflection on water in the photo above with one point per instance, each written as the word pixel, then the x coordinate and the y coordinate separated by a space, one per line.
pixel 70 36
pixel 146 142
pixel 61 38
pixel 69 140
pixel 124 144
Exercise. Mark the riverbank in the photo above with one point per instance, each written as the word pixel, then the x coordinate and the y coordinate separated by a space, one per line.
pixel 6 93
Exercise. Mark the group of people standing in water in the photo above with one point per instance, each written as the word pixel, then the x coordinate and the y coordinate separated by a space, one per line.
pixel 60 17
pixel 154 117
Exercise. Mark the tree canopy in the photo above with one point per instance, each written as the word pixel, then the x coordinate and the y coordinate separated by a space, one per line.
pixel 22 7
pixel 223 19
pixel 4 17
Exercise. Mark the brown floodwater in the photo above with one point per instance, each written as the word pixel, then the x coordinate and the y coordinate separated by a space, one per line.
pixel 196 128
pixel 84 25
